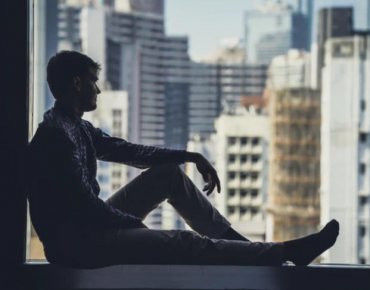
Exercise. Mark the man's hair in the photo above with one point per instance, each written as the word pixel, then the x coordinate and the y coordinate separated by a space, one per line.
pixel 64 66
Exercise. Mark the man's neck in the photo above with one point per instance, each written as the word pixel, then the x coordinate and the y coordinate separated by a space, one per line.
pixel 69 108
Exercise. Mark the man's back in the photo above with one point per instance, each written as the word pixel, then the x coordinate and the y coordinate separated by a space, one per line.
pixel 63 191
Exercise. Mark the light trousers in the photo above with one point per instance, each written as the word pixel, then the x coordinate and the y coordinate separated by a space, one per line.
pixel 148 246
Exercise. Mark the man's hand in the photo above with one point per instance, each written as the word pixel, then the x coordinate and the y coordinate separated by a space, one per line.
pixel 209 174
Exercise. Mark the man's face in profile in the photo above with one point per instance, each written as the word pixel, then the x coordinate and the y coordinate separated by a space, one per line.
pixel 89 91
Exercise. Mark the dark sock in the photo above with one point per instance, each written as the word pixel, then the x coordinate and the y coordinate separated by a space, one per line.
pixel 304 250
pixel 232 234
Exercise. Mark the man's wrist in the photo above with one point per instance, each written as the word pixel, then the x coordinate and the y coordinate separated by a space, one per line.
pixel 192 156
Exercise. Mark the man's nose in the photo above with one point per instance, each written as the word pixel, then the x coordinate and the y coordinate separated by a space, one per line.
pixel 97 90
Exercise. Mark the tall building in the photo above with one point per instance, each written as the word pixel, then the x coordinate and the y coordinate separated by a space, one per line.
pixel 294 168
pixel 217 84
pixel 332 22
pixel 242 165
pixel 45 43
pixel 274 28
pixel 345 143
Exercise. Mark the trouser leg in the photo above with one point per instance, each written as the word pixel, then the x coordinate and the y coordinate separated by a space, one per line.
pixel 168 181
pixel 146 246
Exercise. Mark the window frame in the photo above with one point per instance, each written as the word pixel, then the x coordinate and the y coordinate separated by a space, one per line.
pixel 14 120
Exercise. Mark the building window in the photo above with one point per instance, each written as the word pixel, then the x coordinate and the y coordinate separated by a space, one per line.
pixel 231 210
pixel 255 141
pixel 243 175
pixel 116 174
pixel 243 210
pixel 363 200
pixel 243 158
pixel 362 231
pixel 231 140
pixel 363 137
pixel 231 174
pixel 254 176
pixel 362 168
pixel 244 141
pixel 243 193
pixel 254 193
pixel 232 158
pixel 363 105
pixel 255 158
pixel 231 192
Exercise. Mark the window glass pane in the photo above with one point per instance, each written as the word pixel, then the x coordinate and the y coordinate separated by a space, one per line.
pixel 280 110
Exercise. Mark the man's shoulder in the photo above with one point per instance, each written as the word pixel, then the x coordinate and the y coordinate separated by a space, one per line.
pixel 54 127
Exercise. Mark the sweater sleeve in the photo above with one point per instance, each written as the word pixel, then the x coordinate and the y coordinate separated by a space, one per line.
pixel 141 156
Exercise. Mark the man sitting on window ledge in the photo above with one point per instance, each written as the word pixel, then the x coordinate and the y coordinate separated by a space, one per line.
pixel 78 229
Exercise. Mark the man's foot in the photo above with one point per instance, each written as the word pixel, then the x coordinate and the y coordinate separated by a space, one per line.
pixel 304 250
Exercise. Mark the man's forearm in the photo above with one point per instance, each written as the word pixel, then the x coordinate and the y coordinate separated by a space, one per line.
pixel 192 157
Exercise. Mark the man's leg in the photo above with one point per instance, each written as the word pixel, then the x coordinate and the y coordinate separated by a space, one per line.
pixel 147 246
pixel 168 181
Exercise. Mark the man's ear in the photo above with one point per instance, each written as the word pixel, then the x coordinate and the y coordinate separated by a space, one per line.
pixel 76 83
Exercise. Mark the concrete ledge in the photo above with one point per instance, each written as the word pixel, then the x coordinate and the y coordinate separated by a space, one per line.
pixel 44 276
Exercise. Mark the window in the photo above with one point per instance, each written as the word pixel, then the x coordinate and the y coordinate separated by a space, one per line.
pixel 243 158
pixel 255 158
pixel 254 193
pixel 363 137
pixel 232 158
pixel 255 141
pixel 244 141
pixel 362 168
pixel 231 140
pixel 363 105
pixel 296 114
pixel 362 231
pixel 231 192
pixel 231 210
pixel 243 192
pixel 231 175
pixel 243 175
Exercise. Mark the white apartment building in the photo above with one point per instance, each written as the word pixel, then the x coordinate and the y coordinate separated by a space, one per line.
pixel 111 116
pixel 241 162
pixel 345 146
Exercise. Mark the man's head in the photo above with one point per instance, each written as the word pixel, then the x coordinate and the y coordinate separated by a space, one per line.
pixel 72 78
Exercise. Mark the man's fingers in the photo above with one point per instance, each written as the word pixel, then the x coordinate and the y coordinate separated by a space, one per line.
pixel 218 184
pixel 211 188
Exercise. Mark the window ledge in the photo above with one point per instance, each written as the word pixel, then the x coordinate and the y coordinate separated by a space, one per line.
pixel 41 275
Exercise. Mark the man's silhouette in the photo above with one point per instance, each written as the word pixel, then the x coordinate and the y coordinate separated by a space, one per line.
pixel 78 229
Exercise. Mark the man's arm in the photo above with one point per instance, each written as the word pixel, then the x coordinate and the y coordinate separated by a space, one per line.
pixel 119 150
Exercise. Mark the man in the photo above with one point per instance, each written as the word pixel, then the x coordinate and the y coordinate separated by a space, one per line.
pixel 80 230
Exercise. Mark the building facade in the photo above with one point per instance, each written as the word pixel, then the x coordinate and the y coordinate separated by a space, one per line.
pixel 242 165
pixel 218 84
pixel 274 28
pixel 294 168
pixel 345 162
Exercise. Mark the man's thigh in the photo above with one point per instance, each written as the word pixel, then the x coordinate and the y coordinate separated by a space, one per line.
pixel 144 193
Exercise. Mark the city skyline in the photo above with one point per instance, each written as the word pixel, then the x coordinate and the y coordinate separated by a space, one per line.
pixel 208 37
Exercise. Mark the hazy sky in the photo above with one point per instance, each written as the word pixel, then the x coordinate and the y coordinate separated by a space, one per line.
pixel 206 22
